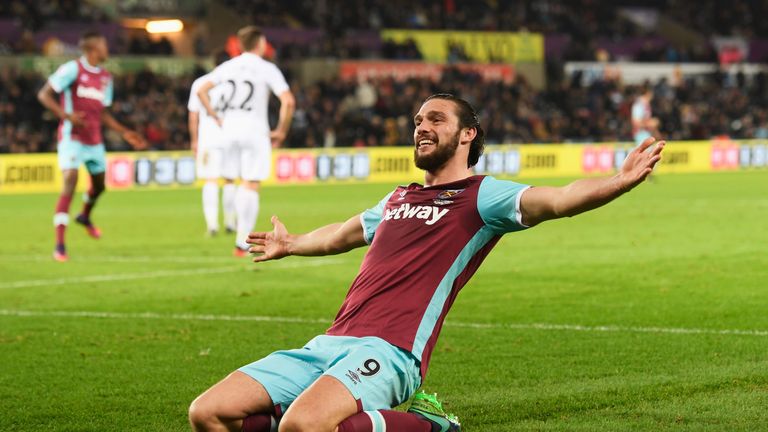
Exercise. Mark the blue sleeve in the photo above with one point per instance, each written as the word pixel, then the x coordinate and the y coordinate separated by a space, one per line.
pixel 371 218
pixel 109 94
pixel 64 76
pixel 498 202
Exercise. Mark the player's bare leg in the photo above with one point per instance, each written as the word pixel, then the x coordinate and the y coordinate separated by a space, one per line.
pixel 224 406
pixel 228 205
pixel 320 408
pixel 247 208
pixel 61 216
pixel 89 201
pixel 211 206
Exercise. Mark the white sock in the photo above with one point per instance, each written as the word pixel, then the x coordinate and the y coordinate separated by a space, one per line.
pixel 211 205
pixel 228 204
pixel 247 207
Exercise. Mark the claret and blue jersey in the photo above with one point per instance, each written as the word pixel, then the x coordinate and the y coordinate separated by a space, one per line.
pixel 86 89
pixel 426 243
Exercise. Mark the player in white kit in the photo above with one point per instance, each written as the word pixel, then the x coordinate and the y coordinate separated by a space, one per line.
pixel 208 146
pixel 246 81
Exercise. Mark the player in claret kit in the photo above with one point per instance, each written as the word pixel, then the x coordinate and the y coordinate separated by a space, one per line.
pixel 426 242
pixel 85 89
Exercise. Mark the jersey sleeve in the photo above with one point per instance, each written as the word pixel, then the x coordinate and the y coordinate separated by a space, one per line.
pixel 64 76
pixel 193 105
pixel 498 202
pixel 371 218
pixel 276 81
pixel 109 93
pixel 218 75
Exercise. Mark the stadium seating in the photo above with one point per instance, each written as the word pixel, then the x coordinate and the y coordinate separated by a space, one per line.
pixel 332 112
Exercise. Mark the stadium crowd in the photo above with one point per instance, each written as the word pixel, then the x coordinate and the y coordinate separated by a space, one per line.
pixel 378 113
pixel 583 25
pixel 351 113
pixel 338 113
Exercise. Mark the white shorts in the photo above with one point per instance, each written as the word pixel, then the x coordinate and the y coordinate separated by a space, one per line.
pixel 249 160
pixel 210 162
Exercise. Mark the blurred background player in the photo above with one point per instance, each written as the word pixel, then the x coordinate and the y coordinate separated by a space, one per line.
pixel 85 89
pixel 208 146
pixel 644 125
pixel 247 81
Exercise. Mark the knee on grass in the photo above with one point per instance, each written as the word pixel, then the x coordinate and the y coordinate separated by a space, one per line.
pixel 203 415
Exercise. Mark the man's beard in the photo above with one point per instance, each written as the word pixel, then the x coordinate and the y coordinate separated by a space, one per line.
pixel 435 160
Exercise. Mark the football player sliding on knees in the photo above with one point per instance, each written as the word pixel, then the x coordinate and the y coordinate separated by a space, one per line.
pixel 425 243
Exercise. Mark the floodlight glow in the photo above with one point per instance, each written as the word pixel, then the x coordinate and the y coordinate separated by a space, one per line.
pixel 165 26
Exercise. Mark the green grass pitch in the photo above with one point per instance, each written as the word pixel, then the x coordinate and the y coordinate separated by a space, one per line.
pixel 649 314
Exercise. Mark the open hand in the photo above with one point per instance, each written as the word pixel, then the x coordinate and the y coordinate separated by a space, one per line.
pixel 277 137
pixel 135 140
pixel 639 164
pixel 272 245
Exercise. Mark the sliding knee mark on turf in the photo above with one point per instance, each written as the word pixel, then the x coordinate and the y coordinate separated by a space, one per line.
pixel 162 274
pixel 299 320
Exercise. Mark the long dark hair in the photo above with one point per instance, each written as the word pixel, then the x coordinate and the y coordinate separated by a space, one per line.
pixel 467 119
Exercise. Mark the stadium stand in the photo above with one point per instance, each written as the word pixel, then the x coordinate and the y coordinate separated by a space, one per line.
pixel 334 112
pixel 377 113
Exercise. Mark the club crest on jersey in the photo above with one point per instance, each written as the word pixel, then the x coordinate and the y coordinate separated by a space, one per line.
pixel 430 214
pixel 449 193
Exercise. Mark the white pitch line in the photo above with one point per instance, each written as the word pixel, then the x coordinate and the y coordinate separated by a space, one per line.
pixel 611 328
pixel 120 259
pixel 160 274
pixel 154 315
pixel 299 320
pixel 181 259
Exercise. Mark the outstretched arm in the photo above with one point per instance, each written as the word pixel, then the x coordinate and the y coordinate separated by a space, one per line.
pixel 133 138
pixel 543 203
pixel 329 240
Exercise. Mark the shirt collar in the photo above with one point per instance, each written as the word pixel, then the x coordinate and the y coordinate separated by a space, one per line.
pixel 88 66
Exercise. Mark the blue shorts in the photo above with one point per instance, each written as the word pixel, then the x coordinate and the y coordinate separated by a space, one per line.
pixel 379 375
pixel 74 153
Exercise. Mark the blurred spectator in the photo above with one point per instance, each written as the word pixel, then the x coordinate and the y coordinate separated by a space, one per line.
pixel 26 43
pixel 141 44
